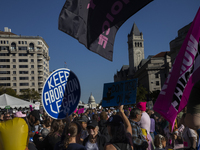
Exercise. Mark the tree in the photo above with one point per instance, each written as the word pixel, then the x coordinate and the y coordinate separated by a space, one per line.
pixel 141 94
pixel 8 91
pixel 30 94
pixel 154 95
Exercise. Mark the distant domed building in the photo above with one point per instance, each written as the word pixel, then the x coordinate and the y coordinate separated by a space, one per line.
pixel 91 102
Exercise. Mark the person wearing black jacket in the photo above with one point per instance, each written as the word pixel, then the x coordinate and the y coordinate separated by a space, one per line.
pixel 94 141
pixel 102 125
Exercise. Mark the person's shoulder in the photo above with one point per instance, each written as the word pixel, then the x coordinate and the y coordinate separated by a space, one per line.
pixel 109 146
pixel 76 146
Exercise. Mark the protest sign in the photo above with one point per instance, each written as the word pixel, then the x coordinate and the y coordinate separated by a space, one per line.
pixel 80 111
pixel 116 93
pixel 37 105
pixel 61 93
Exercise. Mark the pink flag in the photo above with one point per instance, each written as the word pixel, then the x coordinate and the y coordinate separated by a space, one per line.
pixel 184 74
pixel 80 111
pixel 75 110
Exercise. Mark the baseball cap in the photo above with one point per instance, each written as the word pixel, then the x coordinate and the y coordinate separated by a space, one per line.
pixel 92 123
pixel 83 119
pixel 114 120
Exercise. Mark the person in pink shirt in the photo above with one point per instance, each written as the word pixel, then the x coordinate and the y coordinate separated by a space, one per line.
pixel 145 122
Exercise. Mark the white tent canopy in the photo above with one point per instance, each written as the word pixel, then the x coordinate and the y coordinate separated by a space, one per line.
pixel 13 102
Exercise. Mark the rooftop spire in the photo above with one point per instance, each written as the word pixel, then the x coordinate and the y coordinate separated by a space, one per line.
pixel 135 30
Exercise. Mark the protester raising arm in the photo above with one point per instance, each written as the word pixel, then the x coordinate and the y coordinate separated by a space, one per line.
pixel 125 119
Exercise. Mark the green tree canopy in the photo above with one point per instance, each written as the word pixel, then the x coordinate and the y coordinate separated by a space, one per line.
pixel 8 91
pixel 30 94
pixel 154 95
pixel 141 94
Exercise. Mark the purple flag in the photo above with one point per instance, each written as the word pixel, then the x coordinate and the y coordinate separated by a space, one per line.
pixel 184 74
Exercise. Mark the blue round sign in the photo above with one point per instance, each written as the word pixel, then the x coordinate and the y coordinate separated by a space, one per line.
pixel 61 93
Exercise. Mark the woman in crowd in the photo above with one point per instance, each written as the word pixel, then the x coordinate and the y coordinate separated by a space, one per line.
pixel 54 136
pixel 70 142
pixel 159 142
pixel 120 131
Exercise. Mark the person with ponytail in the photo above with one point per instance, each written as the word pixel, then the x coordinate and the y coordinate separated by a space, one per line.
pixel 70 143
pixel 159 142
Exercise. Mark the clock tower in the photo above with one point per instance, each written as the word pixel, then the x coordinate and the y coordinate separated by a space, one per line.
pixel 135 49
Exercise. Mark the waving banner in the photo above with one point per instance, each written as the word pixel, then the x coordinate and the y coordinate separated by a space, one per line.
pixel 184 74
pixel 94 23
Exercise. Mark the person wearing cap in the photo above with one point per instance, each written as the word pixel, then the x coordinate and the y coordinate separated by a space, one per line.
pixel 139 142
pixel 102 125
pixel 120 131
pixel 145 122
pixel 83 122
pixel 94 141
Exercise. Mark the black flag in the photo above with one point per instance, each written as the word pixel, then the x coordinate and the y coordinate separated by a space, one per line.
pixel 95 23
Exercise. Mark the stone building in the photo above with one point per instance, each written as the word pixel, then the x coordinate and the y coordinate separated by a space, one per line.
pixel 24 61
pixel 151 72
pixel 175 45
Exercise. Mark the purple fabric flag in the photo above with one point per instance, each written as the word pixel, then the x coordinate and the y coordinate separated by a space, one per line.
pixel 80 111
pixel 95 23
pixel 184 74
pixel 75 110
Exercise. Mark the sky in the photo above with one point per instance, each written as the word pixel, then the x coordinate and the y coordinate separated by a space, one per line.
pixel 159 22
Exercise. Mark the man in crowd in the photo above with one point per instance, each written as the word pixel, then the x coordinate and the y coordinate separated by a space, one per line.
pixel 145 122
pixel 94 140
pixel 139 141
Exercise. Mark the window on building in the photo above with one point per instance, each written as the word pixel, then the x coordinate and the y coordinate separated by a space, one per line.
pixel 23 78
pixel 13 46
pixel 25 42
pixel 4 47
pixel 14 72
pixel 14 84
pixel 23 72
pixel 32 66
pixel 13 54
pixel 33 84
pixel 4 66
pixel 31 54
pixel 23 60
pixel 23 66
pixel 19 42
pixel 22 42
pixel 32 72
pixel 156 76
pixel 14 60
pixel 4 72
pixel 157 82
pixel 32 78
pixel 32 60
pixel 22 54
pixel 4 60
pixel 14 66
pixel 31 46
pixel 22 48
pixel 24 84
pixel 4 54
pixel 14 78
pixel 4 78
pixel 4 84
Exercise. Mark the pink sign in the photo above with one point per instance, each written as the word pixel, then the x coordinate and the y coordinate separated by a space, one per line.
pixel 80 111
pixel 184 74
pixel 75 110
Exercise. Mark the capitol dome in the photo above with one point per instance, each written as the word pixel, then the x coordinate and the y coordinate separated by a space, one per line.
pixel 91 99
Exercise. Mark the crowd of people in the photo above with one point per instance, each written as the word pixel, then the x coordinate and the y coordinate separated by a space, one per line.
pixel 119 128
